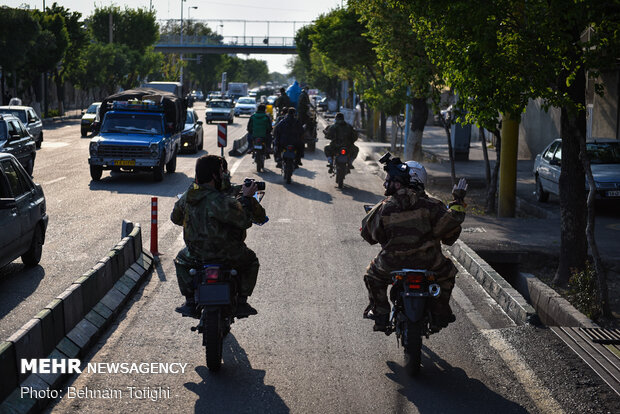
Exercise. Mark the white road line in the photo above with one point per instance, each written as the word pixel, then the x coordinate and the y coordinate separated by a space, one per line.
pixel 53 181
pixel 236 165
pixel 534 388
pixel 526 377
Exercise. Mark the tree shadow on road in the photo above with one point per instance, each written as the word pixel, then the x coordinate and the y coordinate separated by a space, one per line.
pixel 17 283
pixel 236 387
pixel 442 388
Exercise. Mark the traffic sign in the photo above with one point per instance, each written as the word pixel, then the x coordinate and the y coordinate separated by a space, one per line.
pixel 221 135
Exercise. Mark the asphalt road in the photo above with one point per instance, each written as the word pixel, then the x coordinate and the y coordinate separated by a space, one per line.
pixel 308 350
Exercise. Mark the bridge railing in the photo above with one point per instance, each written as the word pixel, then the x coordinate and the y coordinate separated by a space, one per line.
pixel 169 40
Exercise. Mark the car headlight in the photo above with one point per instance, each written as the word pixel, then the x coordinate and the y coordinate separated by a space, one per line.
pixel 154 148
pixel 93 147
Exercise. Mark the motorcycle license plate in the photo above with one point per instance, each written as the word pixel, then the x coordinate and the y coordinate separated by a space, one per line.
pixel 258 147
pixel 288 154
pixel 612 193
pixel 125 163
pixel 214 294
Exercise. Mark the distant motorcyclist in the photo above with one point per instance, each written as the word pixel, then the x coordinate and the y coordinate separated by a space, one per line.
pixel 215 219
pixel 410 226
pixel 341 134
pixel 282 103
pixel 288 131
pixel 304 106
pixel 259 126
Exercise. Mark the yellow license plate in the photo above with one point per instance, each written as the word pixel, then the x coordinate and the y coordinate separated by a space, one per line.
pixel 125 163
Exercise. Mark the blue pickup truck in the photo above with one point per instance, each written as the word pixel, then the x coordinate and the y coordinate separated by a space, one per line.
pixel 140 131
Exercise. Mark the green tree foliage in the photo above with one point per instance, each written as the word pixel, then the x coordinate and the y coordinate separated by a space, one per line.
pixel 135 31
pixel 19 32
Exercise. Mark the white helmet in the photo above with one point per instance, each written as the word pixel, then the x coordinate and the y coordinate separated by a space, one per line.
pixel 417 172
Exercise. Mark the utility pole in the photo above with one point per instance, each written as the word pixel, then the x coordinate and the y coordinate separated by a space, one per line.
pixel 182 43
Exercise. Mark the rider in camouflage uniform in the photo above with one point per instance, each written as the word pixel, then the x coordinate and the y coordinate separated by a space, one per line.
pixel 341 134
pixel 410 226
pixel 215 219
pixel 282 103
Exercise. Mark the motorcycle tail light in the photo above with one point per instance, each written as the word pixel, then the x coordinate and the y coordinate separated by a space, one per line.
pixel 211 275
pixel 343 151
pixel 415 281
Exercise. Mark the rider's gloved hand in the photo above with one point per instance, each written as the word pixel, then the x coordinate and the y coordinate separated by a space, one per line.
pixel 458 192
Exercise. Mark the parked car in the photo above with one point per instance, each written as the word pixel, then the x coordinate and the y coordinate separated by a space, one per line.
pixel 322 104
pixel 88 118
pixel 23 217
pixel 29 118
pixel 245 105
pixel 16 140
pixel 604 155
pixel 192 136
pixel 220 110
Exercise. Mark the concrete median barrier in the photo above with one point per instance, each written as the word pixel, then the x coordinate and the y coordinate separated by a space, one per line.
pixel 69 325
pixel 240 146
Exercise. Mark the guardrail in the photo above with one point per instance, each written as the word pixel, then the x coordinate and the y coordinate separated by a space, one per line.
pixel 70 324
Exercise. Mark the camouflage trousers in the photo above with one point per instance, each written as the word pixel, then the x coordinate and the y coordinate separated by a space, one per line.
pixel 378 278
pixel 244 261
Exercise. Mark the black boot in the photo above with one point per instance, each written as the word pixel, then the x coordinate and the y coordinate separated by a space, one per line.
pixel 382 322
pixel 244 309
pixel 188 308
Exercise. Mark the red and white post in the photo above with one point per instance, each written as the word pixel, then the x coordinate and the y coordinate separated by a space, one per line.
pixel 154 249
pixel 222 132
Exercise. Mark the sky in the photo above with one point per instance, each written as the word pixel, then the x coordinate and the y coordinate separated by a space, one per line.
pixel 259 11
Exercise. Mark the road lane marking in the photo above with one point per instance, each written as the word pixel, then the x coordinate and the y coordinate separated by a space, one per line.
pixel 46 144
pixel 236 165
pixel 532 386
pixel 53 181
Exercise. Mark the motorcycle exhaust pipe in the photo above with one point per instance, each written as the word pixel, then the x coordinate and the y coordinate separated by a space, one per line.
pixel 434 290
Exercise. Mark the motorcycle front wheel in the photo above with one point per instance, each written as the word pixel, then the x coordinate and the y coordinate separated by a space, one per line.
pixel 413 347
pixel 213 339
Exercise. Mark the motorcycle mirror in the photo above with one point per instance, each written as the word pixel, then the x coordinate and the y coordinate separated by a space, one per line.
pixel 259 195
pixel 368 207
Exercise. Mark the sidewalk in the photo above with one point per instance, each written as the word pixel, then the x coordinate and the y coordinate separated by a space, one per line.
pixel 532 239
pixel 69 114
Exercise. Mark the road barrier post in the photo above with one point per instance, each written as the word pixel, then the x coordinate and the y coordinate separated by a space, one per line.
pixel 221 136
pixel 154 250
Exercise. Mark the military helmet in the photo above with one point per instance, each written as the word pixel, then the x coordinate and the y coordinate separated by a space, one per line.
pixel 417 173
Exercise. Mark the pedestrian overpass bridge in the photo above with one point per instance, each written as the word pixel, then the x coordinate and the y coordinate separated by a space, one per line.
pixel 278 41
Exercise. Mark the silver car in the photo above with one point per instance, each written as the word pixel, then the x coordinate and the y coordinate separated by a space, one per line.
pixel 604 157
pixel 219 110
pixel 29 118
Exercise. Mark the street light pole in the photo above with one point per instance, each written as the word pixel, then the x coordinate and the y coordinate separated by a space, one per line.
pixel 182 43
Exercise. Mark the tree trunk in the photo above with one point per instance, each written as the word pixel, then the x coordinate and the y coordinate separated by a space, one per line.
pixel 418 122
pixel 492 192
pixel 446 126
pixel 394 132
pixel 601 275
pixel 573 245
pixel 383 132
pixel 363 114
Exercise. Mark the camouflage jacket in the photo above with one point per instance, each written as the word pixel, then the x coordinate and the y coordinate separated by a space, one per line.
pixel 341 134
pixel 215 223
pixel 282 102
pixel 411 226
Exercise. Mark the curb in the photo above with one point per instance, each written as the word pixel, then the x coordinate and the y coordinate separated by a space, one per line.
pixel 507 297
pixel 69 325
pixel 48 121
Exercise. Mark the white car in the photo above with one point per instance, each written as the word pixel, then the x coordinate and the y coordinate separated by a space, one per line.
pixel 219 110
pixel 245 105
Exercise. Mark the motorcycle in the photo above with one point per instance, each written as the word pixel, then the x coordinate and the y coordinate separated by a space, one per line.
pixel 288 156
pixel 216 294
pixel 259 153
pixel 310 138
pixel 340 163
pixel 411 294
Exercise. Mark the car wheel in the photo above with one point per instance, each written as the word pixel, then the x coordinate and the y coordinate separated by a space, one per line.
pixel 158 171
pixel 541 195
pixel 30 166
pixel 230 121
pixel 171 166
pixel 33 256
pixel 201 145
pixel 95 172
pixel 84 132
pixel 40 140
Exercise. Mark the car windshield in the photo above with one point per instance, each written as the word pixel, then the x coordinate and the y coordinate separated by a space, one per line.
pixel 92 109
pixel 21 114
pixel 141 124
pixel 604 152
pixel 190 118
pixel 219 104
pixel 246 101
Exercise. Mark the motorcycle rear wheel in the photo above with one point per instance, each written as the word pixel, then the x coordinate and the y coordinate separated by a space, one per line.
pixel 288 170
pixel 413 347
pixel 340 173
pixel 213 339
pixel 260 161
